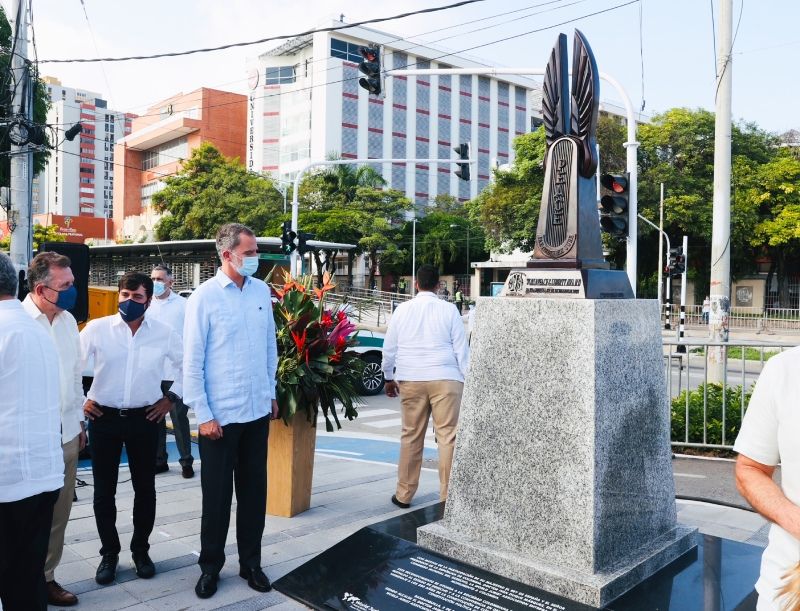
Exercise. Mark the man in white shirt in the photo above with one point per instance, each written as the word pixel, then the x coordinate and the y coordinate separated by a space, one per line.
pixel 425 358
pixel 125 405
pixel 52 294
pixel 170 308
pixel 231 358
pixel 31 459
pixel 769 436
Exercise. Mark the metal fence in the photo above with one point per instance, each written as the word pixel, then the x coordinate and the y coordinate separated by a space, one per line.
pixel 758 319
pixel 704 415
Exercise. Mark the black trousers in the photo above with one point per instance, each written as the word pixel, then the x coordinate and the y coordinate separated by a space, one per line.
pixel 238 458
pixel 139 435
pixel 24 534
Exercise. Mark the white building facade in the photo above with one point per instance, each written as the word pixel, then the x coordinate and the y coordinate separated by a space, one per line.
pixel 79 177
pixel 306 104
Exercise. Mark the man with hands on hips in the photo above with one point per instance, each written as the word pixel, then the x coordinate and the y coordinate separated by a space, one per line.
pixel 231 359
pixel 125 404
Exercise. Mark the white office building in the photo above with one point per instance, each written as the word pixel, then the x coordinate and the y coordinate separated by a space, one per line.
pixel 79 177
pixel 306 103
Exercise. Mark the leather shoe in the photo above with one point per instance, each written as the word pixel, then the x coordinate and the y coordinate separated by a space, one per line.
pixel 187 472
pixel 144 566
pixel 255 579
pixel 107 569
pixel 400 504
pixel 206 586
pixel 58 596
pixel 162 468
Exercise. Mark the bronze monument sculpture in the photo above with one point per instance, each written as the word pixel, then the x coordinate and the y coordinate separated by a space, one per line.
pixel 568 258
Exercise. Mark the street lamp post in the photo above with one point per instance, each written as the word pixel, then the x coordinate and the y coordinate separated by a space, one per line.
pixel 469 272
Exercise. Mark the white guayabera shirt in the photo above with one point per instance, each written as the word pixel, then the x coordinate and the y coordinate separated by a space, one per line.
pixel 770 435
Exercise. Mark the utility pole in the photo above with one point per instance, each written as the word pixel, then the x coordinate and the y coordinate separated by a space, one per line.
pixel 660 247
pixel 721 228
pixel 19 219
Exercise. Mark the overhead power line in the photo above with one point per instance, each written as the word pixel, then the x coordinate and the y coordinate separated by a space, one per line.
pixel 86 60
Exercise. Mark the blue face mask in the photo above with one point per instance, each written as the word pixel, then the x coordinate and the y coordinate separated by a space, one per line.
pixel 131 310
pixel 66 298
pixel 249 266
pixel 159 288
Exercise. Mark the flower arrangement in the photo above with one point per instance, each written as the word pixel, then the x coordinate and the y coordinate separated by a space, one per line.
pixel 315 368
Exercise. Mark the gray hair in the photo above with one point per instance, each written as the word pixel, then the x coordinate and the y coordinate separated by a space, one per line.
pixel 8 276
pixel 162 267
pixel 42 265
pixel 228 236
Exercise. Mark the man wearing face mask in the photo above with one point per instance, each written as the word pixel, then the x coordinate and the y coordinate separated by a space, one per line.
pixel 229 381
pixel 170 308
pixel 52 293
pixel 125 405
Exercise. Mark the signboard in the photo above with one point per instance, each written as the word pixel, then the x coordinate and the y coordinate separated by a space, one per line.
pixel 268 256
pixel 545 283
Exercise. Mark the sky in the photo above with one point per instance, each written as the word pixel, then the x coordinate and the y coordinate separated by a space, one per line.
pixel 668 62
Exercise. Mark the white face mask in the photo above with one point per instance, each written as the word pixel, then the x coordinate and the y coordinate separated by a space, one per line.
pixel 249 266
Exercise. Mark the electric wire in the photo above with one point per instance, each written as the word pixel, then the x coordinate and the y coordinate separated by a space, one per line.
pixel 436 9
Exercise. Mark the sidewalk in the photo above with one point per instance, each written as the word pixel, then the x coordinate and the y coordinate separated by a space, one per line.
pixel 347 495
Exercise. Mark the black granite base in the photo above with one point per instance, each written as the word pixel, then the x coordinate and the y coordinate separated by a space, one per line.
pixel 381 568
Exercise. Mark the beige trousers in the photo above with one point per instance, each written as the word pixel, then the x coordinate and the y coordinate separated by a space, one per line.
pixel 62 508
pixel 418 402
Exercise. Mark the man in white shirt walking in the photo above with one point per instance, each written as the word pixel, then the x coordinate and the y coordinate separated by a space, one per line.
pixel 125 405
pixel 229 379
pixel 31 459
pixel 425 358
pixel 52 293
pixel 769 437
pixel 170 308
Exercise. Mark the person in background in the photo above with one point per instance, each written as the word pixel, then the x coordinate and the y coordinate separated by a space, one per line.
pixel 31 458
pixel 458 298
pixel 706 309
pixel 425 359
pixel 170 308
pixel 52 294
pixel 125 404
pixel 229 376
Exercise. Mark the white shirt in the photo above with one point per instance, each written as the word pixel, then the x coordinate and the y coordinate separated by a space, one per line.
pixel 231 353
pixel 128 368
pixel 64 331
pixel 425 341
pixel 770 434
pixel 31 459
pixel 171 311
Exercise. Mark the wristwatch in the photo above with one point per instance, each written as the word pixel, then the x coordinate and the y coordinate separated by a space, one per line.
pixel 172 396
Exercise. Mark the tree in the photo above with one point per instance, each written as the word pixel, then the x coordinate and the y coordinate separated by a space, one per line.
pixel 41 103
pixel 508 208
pixel 773 196
pixel 41 233
pixel 211 190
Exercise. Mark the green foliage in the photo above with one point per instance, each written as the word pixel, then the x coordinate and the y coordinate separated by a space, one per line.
pixel 713 423
pixel 41 233
pixel 41 103
pixel 211 190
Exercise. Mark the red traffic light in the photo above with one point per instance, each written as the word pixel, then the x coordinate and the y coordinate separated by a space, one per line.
pixel 615 183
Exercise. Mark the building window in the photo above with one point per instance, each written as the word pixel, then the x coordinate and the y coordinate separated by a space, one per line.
pixel 280 75
pixel 149 190
pixel 169 152
pixel 345 50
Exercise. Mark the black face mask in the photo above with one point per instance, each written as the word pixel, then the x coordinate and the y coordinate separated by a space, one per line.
pixel 131 310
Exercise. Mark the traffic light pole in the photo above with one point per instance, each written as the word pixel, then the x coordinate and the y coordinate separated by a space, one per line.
pixel 293 265
pixel 660 268
pixel 631 146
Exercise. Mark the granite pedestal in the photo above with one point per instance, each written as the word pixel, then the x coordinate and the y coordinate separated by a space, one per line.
pixel 562 473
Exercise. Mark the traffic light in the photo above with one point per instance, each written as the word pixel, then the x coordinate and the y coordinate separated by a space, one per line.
pixel 463 153
pixel 302 246
pixel 371 67
pixel 288 238
pixel 614 204
pixel 677 262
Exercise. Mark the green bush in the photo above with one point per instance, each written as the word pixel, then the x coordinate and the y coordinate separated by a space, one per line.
pixel 733 414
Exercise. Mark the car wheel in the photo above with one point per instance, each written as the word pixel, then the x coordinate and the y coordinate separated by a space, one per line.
pixel 372 376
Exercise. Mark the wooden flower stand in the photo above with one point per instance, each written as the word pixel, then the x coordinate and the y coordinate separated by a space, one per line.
pixel 290 466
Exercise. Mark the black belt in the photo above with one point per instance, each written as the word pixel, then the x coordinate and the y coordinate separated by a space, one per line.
pixel 124 412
